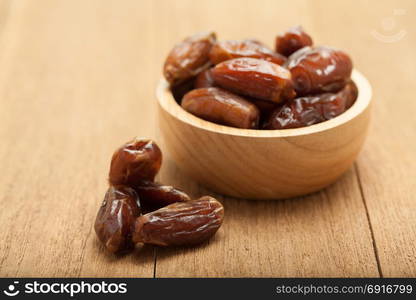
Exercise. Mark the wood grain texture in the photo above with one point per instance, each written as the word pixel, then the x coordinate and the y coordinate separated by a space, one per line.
pixel 60 125
pixel 387 166
pixel 77 79
pixel 307 236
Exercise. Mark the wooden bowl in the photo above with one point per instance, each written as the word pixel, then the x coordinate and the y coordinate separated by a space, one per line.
pixel 264 164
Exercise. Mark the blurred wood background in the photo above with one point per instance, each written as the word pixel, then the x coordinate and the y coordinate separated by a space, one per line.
pixel 77 79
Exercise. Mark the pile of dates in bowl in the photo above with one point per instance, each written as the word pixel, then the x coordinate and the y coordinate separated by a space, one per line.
pixel 245 84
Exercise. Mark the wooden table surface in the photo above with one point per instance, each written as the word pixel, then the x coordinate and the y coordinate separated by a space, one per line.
pixel 77 79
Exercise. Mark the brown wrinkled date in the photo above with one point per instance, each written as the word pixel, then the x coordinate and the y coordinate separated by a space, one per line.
pixel 134 162
pixel 306 111
pixel 185 223
pixel 204 80
pixel 226 50
pixel 222 107
pixel 116 217
pixel 292 40
pixel 189 57
pixel 255 78
pixel 319 70
pixel 154 195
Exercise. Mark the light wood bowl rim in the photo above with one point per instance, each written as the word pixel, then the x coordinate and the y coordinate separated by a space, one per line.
pixel 168 104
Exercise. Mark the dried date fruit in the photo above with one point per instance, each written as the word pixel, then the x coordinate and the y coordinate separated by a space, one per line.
pixel 266 108
pixel 225 50
pixel 204 80
pixel 134 162
pixel 188 58
pixel 292 40
pixel 349 93
pixel 116 217
pixel 155 195
pixel 222 107
pixel 319 70
pixel 256 41
pixel 255 78
pixel 180 224
pixel 306 111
